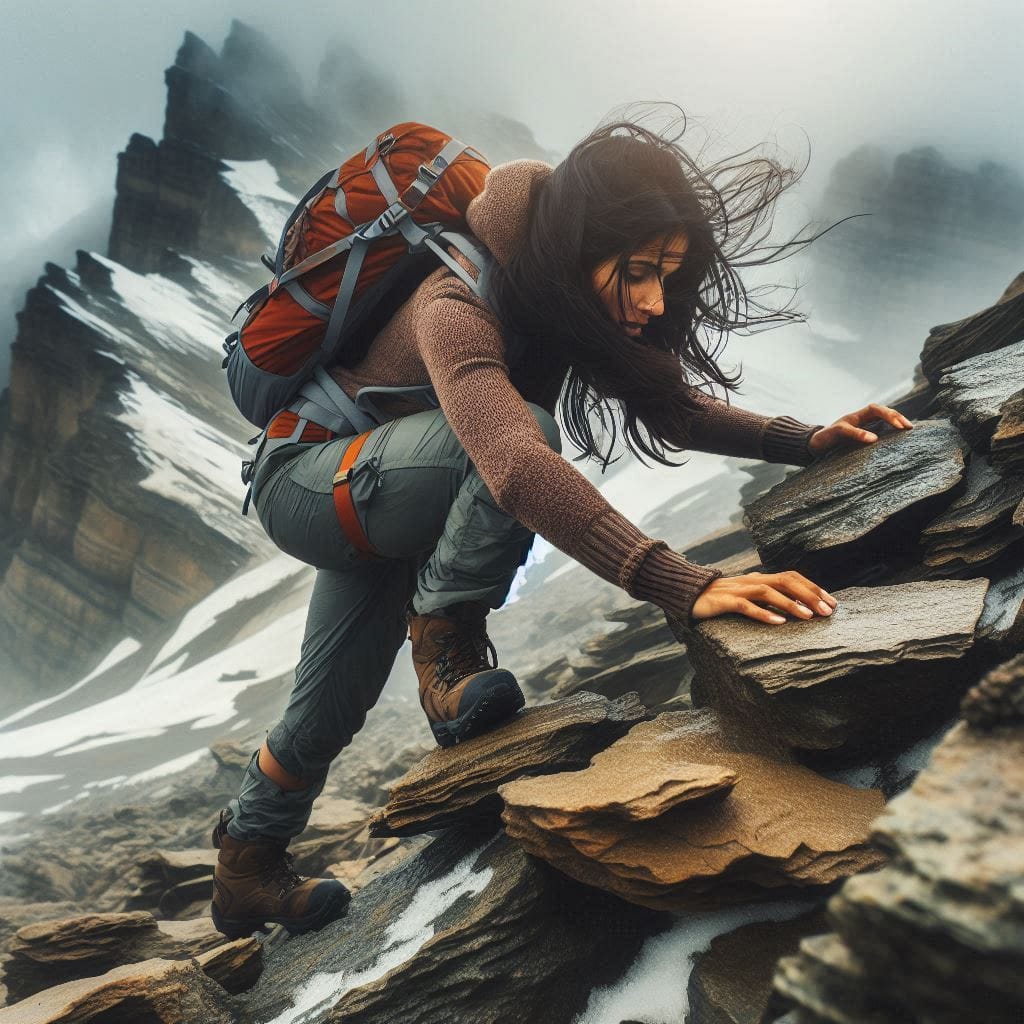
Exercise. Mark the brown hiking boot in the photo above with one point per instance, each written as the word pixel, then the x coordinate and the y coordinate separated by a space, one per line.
pixel 254 883
pixel 462 693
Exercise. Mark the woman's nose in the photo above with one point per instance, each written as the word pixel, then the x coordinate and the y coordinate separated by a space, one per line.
pixel 652 302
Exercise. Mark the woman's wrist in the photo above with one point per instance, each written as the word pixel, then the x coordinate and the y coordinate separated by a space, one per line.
pixel 672 582
pixel 787 440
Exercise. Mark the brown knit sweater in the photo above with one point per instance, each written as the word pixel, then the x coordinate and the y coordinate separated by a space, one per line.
pixel 447 336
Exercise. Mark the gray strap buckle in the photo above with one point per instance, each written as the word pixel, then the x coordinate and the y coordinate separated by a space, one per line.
pixel 384 223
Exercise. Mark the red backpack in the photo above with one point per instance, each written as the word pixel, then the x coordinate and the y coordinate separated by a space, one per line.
pixel 350 253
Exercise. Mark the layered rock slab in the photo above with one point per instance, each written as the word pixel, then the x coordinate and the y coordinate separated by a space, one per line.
pixel 51 952
pixel 977 528
pixel 855 515
pixel 152 992
pixel 999 325
pixel 1008 440
pixel 461 782
pixel 974 391
pixel 938 934
pixel 676 816
pixel 468 929
pixel 879 672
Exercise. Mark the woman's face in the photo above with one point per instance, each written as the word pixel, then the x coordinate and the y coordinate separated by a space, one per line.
pixel 644 282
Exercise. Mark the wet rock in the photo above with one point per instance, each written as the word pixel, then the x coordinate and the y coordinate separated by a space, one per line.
pixel 973 392
pixel 936 934
pixel 977 528
pixel 468 929
pixel 152 992
pixel 854 516
pixel 51 952
pixel 990 329
pixel 461 782
pixel 677 816
pixel 235 966
pixel 1008 440
pixel 879 672
pixel 731 983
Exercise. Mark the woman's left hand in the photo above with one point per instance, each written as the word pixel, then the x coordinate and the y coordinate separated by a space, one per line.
pixel 848 428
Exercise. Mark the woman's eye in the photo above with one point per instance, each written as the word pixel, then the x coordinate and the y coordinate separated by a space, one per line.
pixel 636 275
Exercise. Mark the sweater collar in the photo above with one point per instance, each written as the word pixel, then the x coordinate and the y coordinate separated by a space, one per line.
pixel 498 215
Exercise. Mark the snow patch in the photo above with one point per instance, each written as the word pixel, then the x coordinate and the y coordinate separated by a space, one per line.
pixel 653 990
pixel 122 650
pixel 190 462
pixel 196 695
pixel 403 939
pixel 167 310
pixel 19 783
pixel 249 584
pixel 257 185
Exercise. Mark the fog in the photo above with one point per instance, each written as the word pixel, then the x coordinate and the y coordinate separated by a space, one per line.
pixel 78 79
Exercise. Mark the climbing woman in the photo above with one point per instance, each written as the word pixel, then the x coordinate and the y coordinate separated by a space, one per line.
pixel 612 275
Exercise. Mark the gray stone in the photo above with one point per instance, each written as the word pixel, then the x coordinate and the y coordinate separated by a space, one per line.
pixel 855 515
pixel 878 672
pixel 973 392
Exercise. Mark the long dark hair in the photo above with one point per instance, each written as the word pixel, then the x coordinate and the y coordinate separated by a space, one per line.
pixel 622 187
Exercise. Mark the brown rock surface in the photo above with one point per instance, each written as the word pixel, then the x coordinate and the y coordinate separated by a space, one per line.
pixel 462 781
pixel 235 966
pixel 936 935
pixel 51 952
pixel 1008 440
pixel 777 825
pixel 152 992
pixel 882 668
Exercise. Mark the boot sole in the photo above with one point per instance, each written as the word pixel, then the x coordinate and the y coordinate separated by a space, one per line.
pixel 243 927
pixel 495 706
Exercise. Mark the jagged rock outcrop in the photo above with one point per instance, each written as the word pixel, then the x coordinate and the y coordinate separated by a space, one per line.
pixel 936 934
pixel 999 325
pixel 678 815
pixel 972 392
pixel 461 783
pixel 1008 440
pixel 469 929
pixel 854 515
pixel 977 528
pixel 884 669
pixel 52 952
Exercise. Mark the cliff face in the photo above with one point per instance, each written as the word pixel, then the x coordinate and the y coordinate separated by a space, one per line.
pixel 120 449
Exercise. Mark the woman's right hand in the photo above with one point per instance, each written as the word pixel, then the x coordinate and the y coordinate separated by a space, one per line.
pixel 748 594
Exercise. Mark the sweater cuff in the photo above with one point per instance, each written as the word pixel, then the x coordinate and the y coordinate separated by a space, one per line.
pixel 672 582
pixel 614 548
pixel 786 440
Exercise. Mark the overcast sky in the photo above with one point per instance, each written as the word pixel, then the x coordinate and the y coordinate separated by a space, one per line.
pixel 78 78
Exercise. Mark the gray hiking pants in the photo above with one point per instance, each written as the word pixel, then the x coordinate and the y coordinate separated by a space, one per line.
pixel 443 539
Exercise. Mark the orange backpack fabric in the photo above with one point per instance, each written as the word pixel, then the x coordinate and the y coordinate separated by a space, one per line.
pixel 280 334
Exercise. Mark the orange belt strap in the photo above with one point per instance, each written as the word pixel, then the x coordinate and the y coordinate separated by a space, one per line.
pixel 343 499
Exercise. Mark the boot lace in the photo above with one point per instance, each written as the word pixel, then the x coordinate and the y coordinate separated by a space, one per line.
pixel 281 872
pixel 463 652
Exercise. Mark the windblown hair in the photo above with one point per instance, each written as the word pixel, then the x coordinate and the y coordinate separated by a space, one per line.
pixel 623 187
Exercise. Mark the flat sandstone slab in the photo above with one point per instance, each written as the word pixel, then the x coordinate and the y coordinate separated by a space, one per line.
pixel 461 782
pixel 777 825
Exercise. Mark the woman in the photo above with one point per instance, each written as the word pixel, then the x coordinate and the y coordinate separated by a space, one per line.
pixel 610 267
